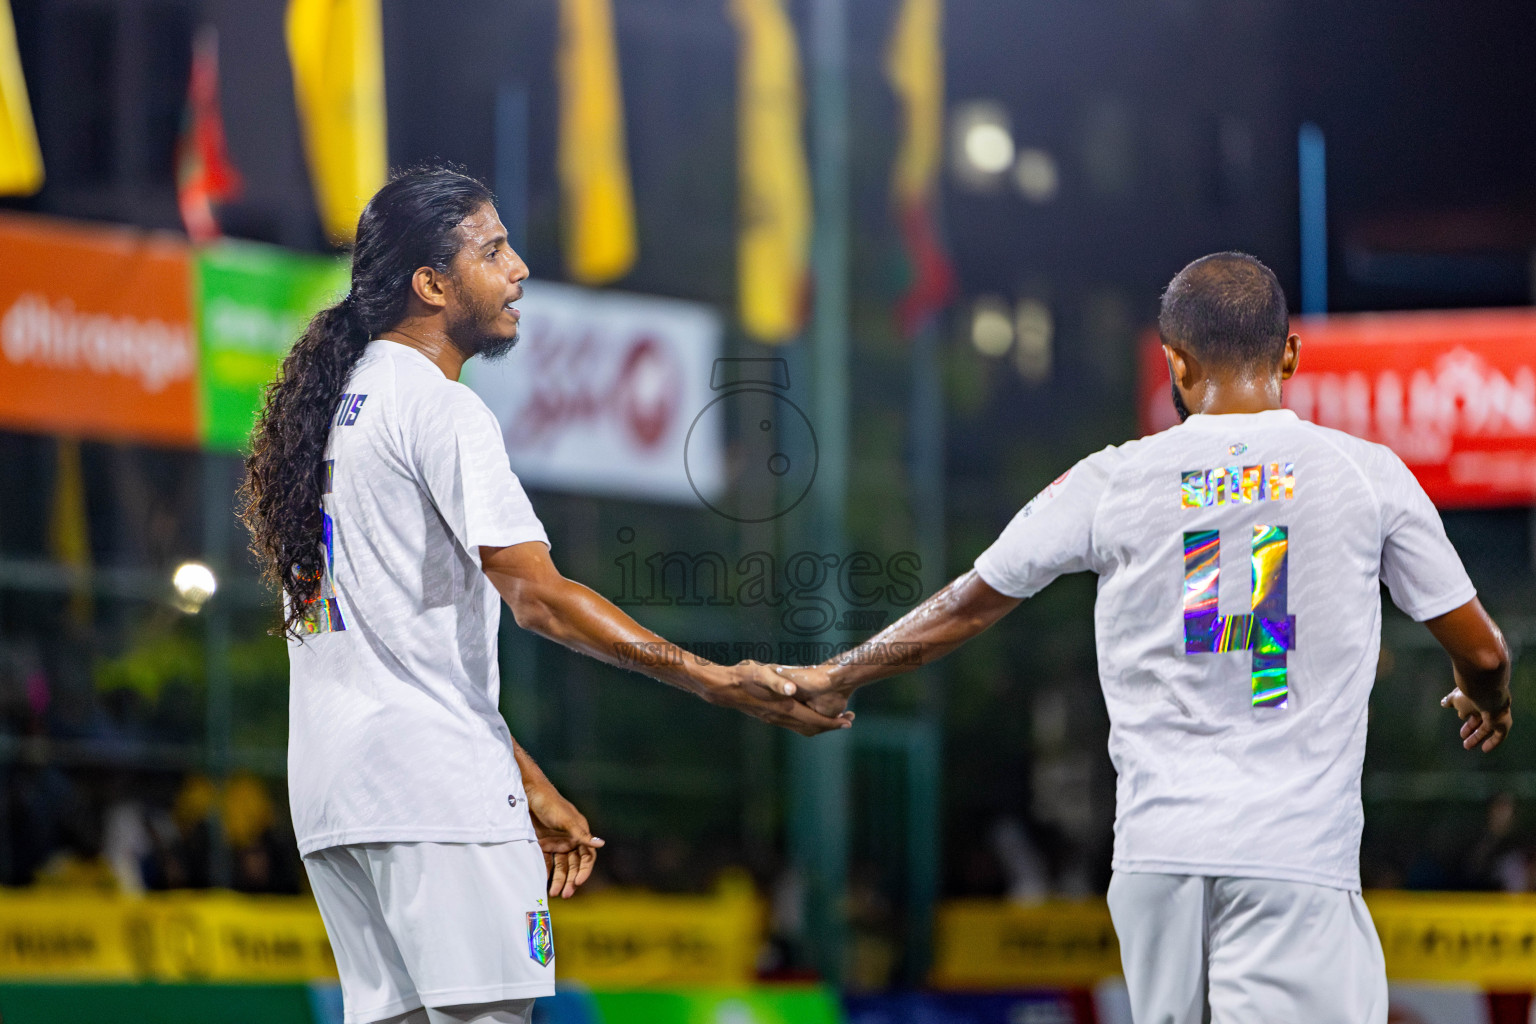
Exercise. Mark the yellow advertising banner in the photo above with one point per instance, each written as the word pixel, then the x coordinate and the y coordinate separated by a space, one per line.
pixel 172 937
pixel 612 939
pixel 640 940
pixel 1482 939
pixel 228 937
pixel 987 944
pixel 624 940
pixel 49 937
pixel 1487 940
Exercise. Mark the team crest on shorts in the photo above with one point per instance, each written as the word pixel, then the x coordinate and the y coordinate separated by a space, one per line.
pixel 541 938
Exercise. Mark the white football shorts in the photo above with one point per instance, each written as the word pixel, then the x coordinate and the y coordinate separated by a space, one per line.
pixel 1246 951
pixel 434 924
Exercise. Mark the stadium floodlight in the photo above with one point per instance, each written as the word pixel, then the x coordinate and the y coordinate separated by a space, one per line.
pixel 194 583
pixel 1035 328
pixel 1035 175
pixel 991 326
pixel 988 147
pixel 983 148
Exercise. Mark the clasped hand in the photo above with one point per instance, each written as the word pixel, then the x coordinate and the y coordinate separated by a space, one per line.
pixel 776 697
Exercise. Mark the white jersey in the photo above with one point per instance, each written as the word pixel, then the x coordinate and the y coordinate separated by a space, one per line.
pixel 394 729
pixel 1237 699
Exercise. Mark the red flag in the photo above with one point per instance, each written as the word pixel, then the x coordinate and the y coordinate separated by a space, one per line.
pixel 933 284
pixel 204 173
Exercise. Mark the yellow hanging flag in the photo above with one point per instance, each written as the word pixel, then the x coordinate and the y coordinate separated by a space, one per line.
pixel 774 246
pixel 336 48
pixel 69 531
pixel 914 65
pixel 600 243
pixel 21 162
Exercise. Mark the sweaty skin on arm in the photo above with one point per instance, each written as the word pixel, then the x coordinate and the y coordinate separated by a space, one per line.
pixel 967 606
pixel 562 610
pixel 1480 661
pixel 964 608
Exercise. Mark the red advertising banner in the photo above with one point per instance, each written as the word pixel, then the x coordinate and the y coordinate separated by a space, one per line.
pixel 1453 393
pixel 95 332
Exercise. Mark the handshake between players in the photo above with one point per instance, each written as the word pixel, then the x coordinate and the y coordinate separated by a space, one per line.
pixel 1237 725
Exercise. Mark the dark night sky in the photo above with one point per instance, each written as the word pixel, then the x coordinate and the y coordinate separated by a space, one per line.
pixel 1429 107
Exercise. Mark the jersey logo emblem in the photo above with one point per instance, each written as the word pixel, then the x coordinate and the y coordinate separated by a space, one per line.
pixel 511 799
pixel 1237 449
pixel 541 938
pixel 1045 495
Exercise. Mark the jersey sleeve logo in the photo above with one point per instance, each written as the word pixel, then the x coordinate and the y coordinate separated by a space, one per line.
pixel 1045 495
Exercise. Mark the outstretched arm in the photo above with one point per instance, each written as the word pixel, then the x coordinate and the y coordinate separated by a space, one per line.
pixel 964 608
pixel 577 617
pixel 1480 662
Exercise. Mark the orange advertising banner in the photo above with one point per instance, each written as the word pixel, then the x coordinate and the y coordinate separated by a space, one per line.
pixel 96 332
pixel 1453 393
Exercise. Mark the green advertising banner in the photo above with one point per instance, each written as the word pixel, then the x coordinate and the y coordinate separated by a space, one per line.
pixel 808 1005
pixel 202 1003
pixel 252 301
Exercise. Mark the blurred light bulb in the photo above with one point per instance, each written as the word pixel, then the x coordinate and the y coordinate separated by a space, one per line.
pixel 991 326
pixel 989 148
pixel 1035 175
pixel 1033 323
pixel 982 142
pixel 195 584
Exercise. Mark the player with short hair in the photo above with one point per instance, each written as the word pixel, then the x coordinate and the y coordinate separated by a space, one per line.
pixel 1237 700
pixel 381 502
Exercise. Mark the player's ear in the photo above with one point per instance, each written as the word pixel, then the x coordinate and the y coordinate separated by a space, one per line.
pixel 430 286
pixel 1290 361
pixel 1182 366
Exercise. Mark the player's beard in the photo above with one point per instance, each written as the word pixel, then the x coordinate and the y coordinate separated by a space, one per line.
pixel 1178 402
pixel 1178 399
pixel 472 330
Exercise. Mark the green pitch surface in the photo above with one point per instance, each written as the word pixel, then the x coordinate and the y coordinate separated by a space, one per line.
pixel 155 1004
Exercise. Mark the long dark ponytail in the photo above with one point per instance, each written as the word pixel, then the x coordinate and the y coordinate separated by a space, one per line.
pixel 409 223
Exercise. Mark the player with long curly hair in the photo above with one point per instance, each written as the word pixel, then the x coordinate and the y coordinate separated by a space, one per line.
pixel 381 503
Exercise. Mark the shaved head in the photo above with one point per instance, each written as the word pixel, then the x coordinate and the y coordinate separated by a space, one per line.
pixel 1226 309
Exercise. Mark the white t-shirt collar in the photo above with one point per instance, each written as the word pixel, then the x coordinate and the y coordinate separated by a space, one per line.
pixel 1229 419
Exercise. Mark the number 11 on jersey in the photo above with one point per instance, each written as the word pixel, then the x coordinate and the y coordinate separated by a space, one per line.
pixel 1269 631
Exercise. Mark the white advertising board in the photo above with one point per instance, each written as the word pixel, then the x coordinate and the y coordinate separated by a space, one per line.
pixel 601 391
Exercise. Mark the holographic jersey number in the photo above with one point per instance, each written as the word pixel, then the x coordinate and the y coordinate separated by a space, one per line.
pixel 1268 632
pixel 323 613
